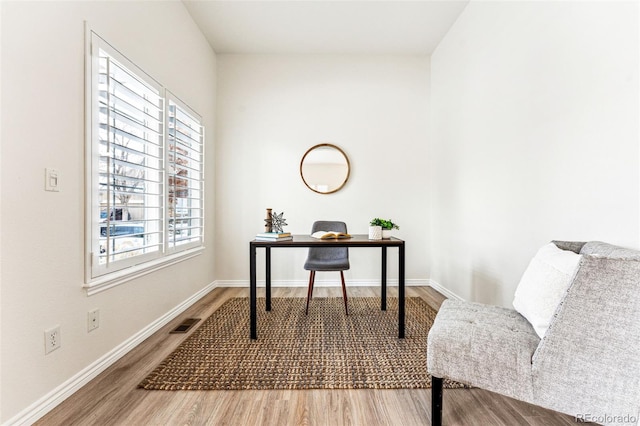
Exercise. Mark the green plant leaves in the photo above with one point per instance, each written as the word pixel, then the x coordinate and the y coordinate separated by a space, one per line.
pixel 384 223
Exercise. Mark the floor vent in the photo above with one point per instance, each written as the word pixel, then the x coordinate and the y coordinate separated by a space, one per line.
pixel 185 326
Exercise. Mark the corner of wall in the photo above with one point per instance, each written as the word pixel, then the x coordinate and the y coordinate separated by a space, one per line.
pixel 445 291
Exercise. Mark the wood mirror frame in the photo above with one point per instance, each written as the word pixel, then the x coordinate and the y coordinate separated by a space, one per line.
pixel 326 169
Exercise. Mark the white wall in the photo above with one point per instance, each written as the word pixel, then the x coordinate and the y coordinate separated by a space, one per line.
pixel 272 108
pixel 42 238
pixel 535 137
pixel 1 365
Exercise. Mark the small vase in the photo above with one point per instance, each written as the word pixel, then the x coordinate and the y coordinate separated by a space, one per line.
pixel 386 233
pixel 375 232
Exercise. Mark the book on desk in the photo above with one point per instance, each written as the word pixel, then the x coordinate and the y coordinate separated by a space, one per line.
pixel 330 235
pixel 273 236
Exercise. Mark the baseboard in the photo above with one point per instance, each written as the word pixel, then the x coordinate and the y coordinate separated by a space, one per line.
pixel 38 409
pixel 445 291
pixel 323 283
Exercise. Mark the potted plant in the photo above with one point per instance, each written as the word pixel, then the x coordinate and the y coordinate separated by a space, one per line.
pixel 385 225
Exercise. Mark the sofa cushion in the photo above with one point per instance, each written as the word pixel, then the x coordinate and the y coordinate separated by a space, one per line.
pixel 484 346
pixel 543 284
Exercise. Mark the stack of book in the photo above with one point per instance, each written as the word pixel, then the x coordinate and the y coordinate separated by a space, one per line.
pixel 273 236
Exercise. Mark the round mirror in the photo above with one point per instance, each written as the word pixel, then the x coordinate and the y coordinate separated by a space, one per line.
pixel 324 168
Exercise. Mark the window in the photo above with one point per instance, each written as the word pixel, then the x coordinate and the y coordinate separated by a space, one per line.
pixel 185 195
pixel 146 162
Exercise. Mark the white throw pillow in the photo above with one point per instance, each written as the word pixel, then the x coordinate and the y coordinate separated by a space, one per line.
pixel 543 285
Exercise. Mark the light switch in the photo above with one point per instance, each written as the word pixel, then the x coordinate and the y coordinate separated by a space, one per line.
pixel 51 180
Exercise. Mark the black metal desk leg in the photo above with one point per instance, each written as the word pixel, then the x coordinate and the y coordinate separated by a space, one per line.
pixel 383 280
pixel 268 278
pixel 401 291
pixel 252 293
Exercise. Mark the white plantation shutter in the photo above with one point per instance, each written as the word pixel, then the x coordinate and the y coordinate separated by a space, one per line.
pixel 129 111
pixel 185 161
pixel 145 165
pixel 146 154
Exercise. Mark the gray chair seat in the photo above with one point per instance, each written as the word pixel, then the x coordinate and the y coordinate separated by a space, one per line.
pixel 326 264
pixel 467 338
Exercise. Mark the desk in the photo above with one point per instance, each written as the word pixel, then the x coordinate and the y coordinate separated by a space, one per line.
pixel 308 241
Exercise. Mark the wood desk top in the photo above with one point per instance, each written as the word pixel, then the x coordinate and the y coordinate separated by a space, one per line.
pixel 356 240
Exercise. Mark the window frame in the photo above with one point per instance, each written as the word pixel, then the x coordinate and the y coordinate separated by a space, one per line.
pixel 196 184
pixel 99 277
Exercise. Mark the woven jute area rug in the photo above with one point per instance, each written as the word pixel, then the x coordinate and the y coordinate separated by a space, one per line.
pixel 324 350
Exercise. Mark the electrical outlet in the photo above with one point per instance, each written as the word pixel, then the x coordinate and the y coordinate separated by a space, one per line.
pixel 93 320
pixel 52 339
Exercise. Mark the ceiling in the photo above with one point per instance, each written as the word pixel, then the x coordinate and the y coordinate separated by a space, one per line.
pixel 320 27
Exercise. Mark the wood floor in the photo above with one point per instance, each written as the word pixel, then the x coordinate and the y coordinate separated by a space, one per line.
pixel 113 399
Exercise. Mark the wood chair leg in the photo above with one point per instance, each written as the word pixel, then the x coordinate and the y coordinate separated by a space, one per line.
pixel 344 293
pixel 312 277
pixel 436 401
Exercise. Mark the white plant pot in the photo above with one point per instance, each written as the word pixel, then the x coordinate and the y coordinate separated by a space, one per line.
pixel 386 233
pixel 375 232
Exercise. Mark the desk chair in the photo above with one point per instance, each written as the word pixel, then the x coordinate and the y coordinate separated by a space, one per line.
pixel 327 259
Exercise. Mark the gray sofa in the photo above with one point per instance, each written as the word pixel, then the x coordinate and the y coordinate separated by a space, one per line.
pixel 588 363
